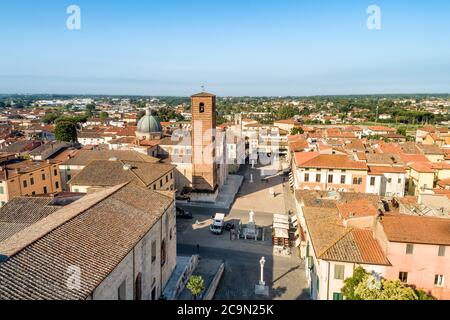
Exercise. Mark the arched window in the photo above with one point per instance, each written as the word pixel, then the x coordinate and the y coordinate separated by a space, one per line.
pixel 139 287
pixel 163 253
pixel 201 107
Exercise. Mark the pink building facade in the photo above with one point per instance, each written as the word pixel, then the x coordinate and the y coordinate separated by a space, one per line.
pixel 418 249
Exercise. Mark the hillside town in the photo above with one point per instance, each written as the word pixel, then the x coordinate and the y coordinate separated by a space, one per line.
pixel 264 198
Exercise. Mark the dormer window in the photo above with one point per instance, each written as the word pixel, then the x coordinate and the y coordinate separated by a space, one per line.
pixel 201 108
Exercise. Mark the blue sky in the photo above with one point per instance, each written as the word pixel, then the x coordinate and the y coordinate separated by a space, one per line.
pixel 245 47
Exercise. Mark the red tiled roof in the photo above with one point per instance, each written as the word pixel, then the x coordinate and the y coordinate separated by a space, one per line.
pixel 127 132
pixel 357 145
pixel 288 121
pixel 443 183
pixel 353 128
pixel 361 155
pixel 357 246
pixel 421 167
pixel 440 165
pixel 95 234
pixel 382 128
pixel 327 161
pixel 390 148
pixel 415 229
pixel 410 158
pixel 302 157
pixel 298 145
pixel 443 192
pixel 149 143
pixel 357 208
pixel 385 169
pixel 369 248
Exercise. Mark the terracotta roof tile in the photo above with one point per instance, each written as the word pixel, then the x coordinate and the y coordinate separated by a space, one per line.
pixel 95 236
pixel 298 145
pixel 324 227
pixel 84 157
pixel 422 167
pixel 381 129
pixel 386 169
pixel 327 161
pixel 384 159
pixel 101 173
pixel 357 246
pixel 357 208
pixel 415 229
pixel 19 213
pixel 411 158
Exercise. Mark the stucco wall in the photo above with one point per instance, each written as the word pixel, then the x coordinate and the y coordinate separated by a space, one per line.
pixel 422 266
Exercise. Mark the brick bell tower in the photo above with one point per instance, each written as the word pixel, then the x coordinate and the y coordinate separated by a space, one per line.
pixel 203 142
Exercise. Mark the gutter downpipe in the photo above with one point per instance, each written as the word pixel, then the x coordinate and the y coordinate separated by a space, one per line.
pixel 328 281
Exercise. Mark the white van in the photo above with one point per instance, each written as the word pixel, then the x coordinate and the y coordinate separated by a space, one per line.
pixel 217 225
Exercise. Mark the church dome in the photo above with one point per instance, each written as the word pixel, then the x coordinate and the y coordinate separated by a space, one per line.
pixel 149 124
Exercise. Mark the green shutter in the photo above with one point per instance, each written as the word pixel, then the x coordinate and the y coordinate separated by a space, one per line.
pixel 338 296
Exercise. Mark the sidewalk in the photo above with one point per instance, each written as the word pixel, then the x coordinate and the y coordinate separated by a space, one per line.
pixel 225 198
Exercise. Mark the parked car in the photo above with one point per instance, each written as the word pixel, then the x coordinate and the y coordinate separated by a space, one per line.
pixel 183 214
pixel 217 225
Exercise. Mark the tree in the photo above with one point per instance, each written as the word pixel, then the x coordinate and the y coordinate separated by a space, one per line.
pixel 296 131
pixel 104 115
pixel 66 131
pixel 196 286
pixel 287 112
pixel 89 113
pixel 350 284
pixel 75 120
pixel 167 114
pixel 90 108
pixel 68 106
pixel 365 286
pixel 50 118
pixel 401 131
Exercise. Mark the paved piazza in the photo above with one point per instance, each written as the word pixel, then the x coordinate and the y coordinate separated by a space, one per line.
pixel 284 276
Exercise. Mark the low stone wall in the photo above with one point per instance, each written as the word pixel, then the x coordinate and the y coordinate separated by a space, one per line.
pixel 204 197
pixel 180 278
pixel 210 292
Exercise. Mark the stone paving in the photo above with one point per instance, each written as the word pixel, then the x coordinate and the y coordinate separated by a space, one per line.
pixel 225 198
pixel 285 276
pixel 255 196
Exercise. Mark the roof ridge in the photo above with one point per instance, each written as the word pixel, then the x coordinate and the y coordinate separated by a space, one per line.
pixel 40 229
pixel 134 173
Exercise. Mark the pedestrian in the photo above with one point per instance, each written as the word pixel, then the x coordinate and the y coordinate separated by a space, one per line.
pixel 198 248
